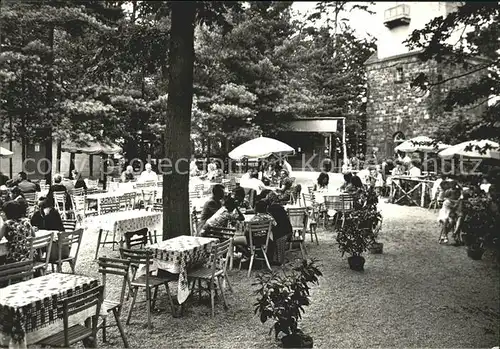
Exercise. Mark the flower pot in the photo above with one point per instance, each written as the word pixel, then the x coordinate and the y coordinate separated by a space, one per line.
pixel 297 340
pixel 377 248
pixel 356 263
pixel 475 253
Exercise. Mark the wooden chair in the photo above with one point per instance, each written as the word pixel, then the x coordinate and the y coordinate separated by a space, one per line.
pixel 195 220
pixel 148 197
pixel 223 234
pixel 215 274
pixel 71 306
pixel 147 281
pixel 60 203
pixel 341 204
pixel 109 205
pixel 13 273
pixel 121 268
pixel 312 210
pixel 298 220
pixel 258 240
pixel 70 240
pixel 44 187
pixel 92 183
pixel 129 200
pixel 31 198
pixel 43 182
pixel 194 195
pixel 137 238
pixel 69 224
pixel 79 207
pixel 41 245
pixel 77 192
pixel 157 207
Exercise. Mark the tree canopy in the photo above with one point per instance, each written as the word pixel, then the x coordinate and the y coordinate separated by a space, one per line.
pixel 469 34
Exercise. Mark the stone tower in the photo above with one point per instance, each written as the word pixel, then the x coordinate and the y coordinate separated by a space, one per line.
pixel 394 110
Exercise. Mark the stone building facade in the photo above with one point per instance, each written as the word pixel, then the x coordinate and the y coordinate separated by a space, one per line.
pixel 395 111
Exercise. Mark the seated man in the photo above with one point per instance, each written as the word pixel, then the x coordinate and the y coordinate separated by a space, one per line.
pixel 23 183
pixel 228 213
pixel 128 175
pixel 212 205
pixel 148 175
pixel 239 195
pixel 282 231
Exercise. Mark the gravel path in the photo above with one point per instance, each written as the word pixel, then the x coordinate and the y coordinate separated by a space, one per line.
pixel 417 294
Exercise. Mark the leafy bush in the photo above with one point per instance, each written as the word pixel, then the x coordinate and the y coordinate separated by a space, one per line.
pixel 361 227
pixel 283 295
pixel 480 221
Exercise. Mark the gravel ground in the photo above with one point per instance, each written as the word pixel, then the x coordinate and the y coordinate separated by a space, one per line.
pixel 417 294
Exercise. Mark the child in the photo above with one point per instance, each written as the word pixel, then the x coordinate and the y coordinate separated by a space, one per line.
pixel 450 214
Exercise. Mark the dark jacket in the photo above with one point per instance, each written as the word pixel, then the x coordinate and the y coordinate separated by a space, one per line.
pixel 59 188
pixel 25 186
pixel 209 209
pixel 52 221
pixel 80 183
pixel 3 179
pixel 283 226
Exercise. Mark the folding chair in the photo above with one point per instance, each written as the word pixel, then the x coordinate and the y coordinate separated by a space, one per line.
pixel 77 192
pixel 137 259
pixel 67 242
pixel 216 272
pixel 71 306
pixel 69 224
pixel 60 203
pixel 312 215
pixel 41 247
pixel 298 220
pixel 121 268
pixel 258 240
pixel 13 273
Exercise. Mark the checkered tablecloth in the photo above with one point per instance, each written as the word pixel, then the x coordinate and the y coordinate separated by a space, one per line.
pixel 28 310
pixel 124 221
pixel 180 254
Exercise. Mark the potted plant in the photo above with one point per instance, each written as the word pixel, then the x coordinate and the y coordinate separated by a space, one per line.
pixel 372 221
pixel 282 297
pixel 478 224
pixel 355 237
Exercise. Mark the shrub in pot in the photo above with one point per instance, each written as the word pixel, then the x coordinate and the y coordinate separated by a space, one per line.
pixel 480 224
pixel 372 220
pixel 282 297
pixel 355 237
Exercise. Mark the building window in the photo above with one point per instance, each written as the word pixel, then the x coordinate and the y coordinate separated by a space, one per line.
pixel 399 75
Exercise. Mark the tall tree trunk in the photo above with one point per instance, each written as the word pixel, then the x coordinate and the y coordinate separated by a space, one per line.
pixel 50 96
pixel 178 120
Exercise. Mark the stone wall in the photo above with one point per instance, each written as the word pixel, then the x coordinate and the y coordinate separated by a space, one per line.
pixel 393 106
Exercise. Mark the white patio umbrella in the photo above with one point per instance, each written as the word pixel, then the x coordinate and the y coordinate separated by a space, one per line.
pixel 259 148
pixel 420 143
pixel 5 153
pixel 459 150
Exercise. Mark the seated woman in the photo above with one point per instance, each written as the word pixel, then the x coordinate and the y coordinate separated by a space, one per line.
pixel 347 181
pixel 285 189
pixel 282 231
pixel 261 215
pixel 239 195
pixel 47 217
pixel 322 182
pixel 79 182
pixel 224 216
pixel 17 230
pixel 450 214
pixel 357 189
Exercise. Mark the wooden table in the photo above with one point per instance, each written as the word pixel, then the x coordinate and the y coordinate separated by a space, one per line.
pixel 180 254
pixel 413 189
pixel 28 310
